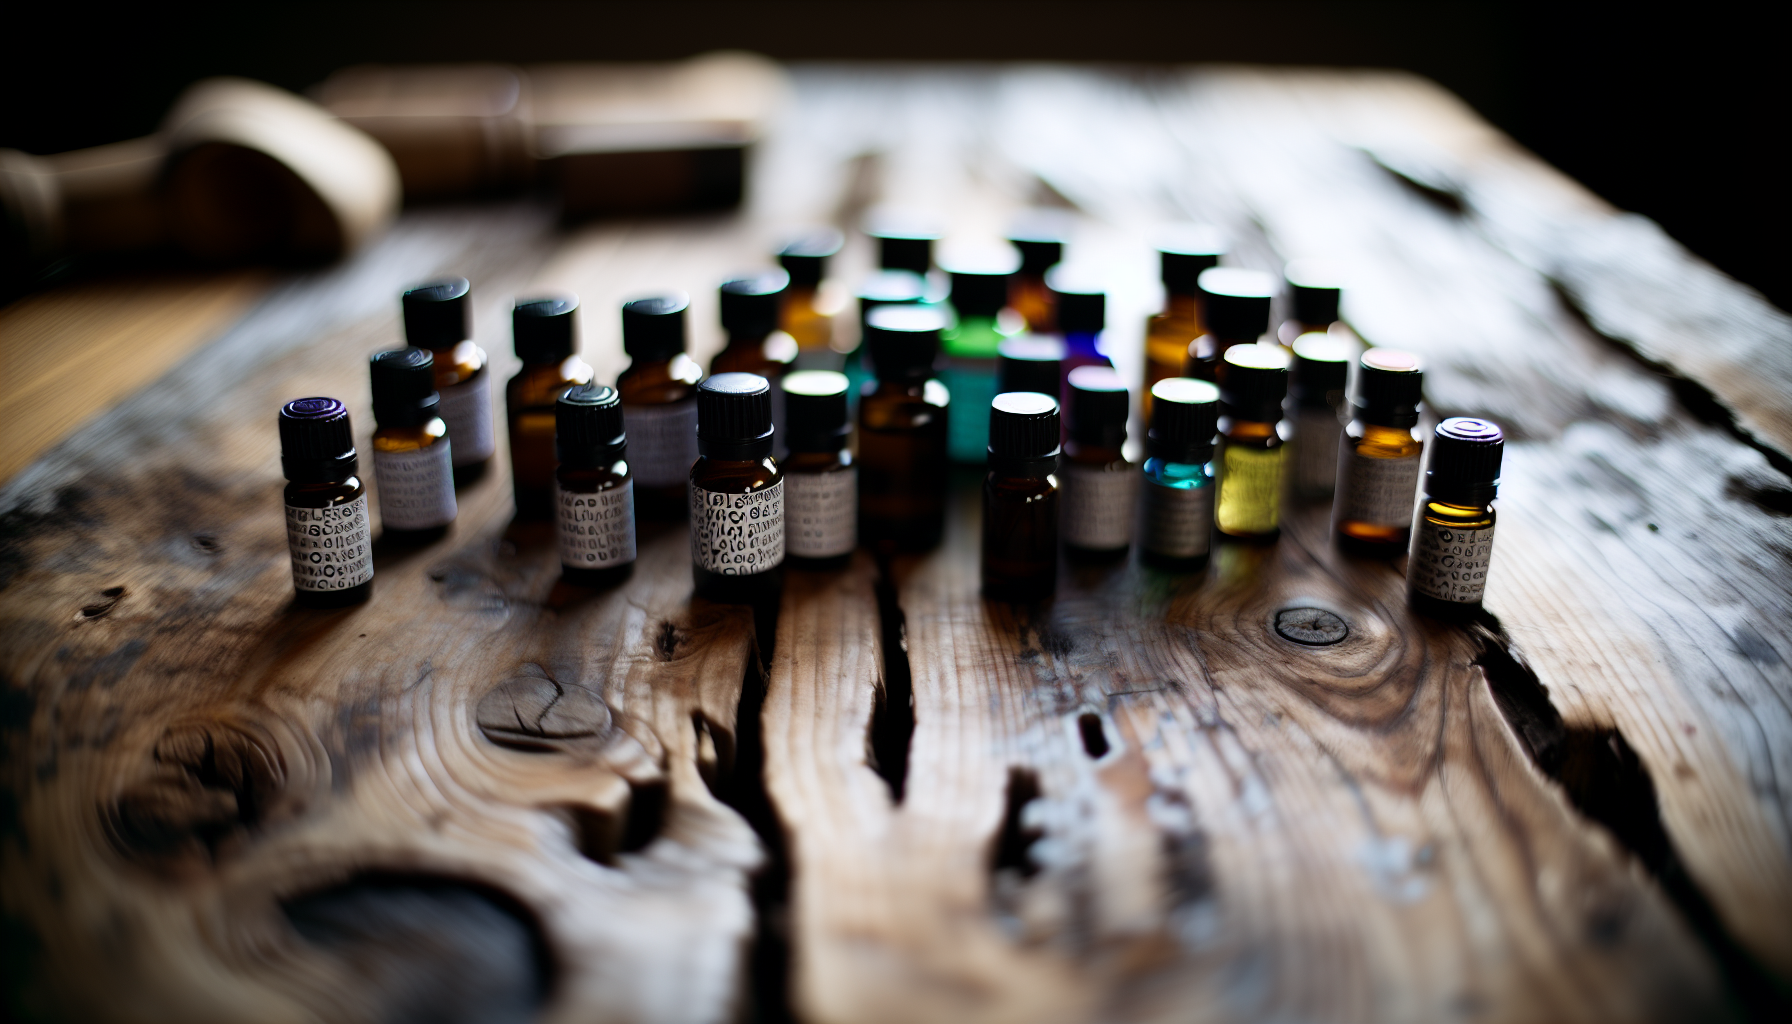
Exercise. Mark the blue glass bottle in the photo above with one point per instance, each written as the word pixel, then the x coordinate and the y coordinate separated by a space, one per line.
pixel 1178 491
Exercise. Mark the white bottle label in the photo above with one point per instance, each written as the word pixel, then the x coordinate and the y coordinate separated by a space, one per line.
pixel 737 534
pixel 1178 520
pixel 1378 491
pixel 1097 506
pixel 331 547
pixel 1316 433
pixel 662 441
pixel 595 531
pixel 1450 564
pixel 821 513
pixel 467 409
pixel 416 487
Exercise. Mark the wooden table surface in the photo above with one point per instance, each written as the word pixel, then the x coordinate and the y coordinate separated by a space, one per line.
pixel 486 797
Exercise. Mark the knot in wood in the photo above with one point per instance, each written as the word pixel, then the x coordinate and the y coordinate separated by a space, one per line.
pixel 531 712
pixel 1310 627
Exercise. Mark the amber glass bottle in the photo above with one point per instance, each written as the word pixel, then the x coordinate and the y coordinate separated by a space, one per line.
pixel 1020 498
pixel 1237 307
pixel 594 492
pixel 1453 543
pixel 1183 252
pixel 438 317
pixel 413 462
pixel 1255 452
pixel 821 482
pixel 1379 457
pixel 326 505
pixel 1179 475
pixel 903 468
pixel 803 313
pixel 755 344
pixel 737 493
pixel 1315 289
pixel 1100 486
pixel 1039 238
pixel 659 404
pixel 1321 370
pixel 546 333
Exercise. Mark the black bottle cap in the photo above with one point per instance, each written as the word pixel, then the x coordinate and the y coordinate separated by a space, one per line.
pixel 1316 286
pixel 750 303
pixel 1321 369
pixel 904 239
pixel 588 427
pixel 317 445
pixel 903 340
pixel 1186 250
pixel 1185 415
pixel 653 326
pixel 805 257
pixel 1389 387
pixel 1465 461
pixel 1023 433
pixel 1098 407
pixel 404 387
pixel 1030 363
pixel 545 329
pixel 815 417
pixel 1039 238
pixel 1256 381
pixel 438 314
pixel 889 288
pixel 1082 304
pixel 1237 302
pixel 980 279
pixel 734 417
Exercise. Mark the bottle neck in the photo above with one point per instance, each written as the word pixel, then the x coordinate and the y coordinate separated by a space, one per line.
pixel 1249 430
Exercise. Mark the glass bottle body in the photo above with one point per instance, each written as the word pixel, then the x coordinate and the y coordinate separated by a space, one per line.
pixel 1029 296
pixel 801 317
pixel 1253 459
pixel 1447 571
pixel 330 542
pixel 1178 516
pixel 1167 337
pixel 769 356
pixel 1100 492
pixel 1020 536
pixel 414 473
pixel 464 380
pixel 737 530
pixel 529 409
pixel 820 509
pixel 601 554
pixel 1377 480
pixel 659 412
pixel 903 463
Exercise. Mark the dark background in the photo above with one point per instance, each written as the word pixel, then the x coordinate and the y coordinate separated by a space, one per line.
pixel 1683 119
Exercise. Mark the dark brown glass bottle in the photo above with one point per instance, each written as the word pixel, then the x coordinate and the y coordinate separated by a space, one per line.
pixel 1453 536
pixel 659 404
pixel 804 314
pixel 821 481
pixel 1255 453
pixel 1183 253
pixel 594 492
pixel 1100 487
pixel 327 531
pixel 737 494
pixel 755 344
pixel 1040 240
pixel 413 461
pixel 903 421
pixel 1031 362
pixel 438 317
pixel 1315 289
pixel 546 333
pixel 1020 498
pixel 1236 303
pixel 1379 457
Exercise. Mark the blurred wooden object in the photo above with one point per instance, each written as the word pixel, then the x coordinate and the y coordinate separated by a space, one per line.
pixel 1268 792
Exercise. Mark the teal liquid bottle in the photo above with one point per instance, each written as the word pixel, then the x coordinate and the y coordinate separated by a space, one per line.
pixel 979 296
pixel 1178 491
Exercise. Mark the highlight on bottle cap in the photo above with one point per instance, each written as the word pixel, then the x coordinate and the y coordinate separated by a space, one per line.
pixel 750 303
pixel 1099 403
pixel 436 314
pixel 1316 286
pixel 903 340
pixel 1255 381
pixel 404 386
pixel 588 428
pixel 815 415
pixel 1023 430
pixel 1321 365
pixel 979 276
pixel 1185 414
pixel 1237 301
pixel 1081 299
pixel 1039 237
pixel 734 416
pixel 1390 387
pixel 805 256
pixel 1031 362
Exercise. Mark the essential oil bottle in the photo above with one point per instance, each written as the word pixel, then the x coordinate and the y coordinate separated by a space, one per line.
pixel 1183 252
pixel 804 314
pixel 881 288
pixel 326 505
pixel 821 482
pixel 659 403
pixel 1039 238
pixel 979 295
pixel 1453 542
pixel 737 493
pixel 904 239
pixel 1379 457
pixel 903 419
pixel 1237 306
pixel 413 462
pixel 1315 289
pixel 1254 381
pixel 1020 498
pixel 1321 372
pixel 594 491
pixel 438 317
pixel 1031 362
pixel 750 306
pixel 1100 487
pixel 1179 477
pixel 1082 307
pixel 546 334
